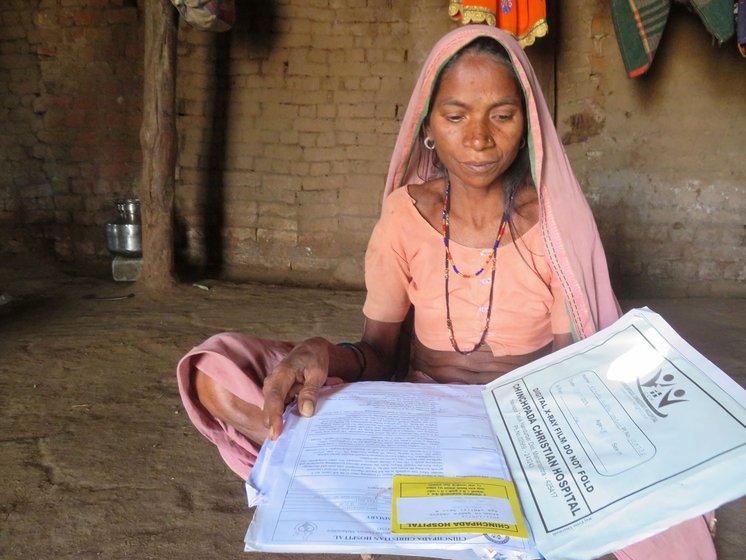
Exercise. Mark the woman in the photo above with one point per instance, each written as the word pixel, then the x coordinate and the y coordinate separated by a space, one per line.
pixel 484 232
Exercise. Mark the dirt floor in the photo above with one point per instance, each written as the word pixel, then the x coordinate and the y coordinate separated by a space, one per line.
pixel 98 459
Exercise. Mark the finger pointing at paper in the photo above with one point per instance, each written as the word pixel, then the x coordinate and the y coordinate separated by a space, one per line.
pixel 300 374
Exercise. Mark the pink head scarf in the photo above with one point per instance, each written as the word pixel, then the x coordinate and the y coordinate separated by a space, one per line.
pixel 571 241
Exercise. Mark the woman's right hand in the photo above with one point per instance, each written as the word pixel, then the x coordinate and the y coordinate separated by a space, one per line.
pixel 301 373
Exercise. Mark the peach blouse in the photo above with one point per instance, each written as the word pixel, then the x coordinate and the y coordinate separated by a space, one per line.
pixel 404 265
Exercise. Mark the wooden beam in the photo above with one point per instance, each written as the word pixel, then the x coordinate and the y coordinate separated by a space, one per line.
pixel 158 142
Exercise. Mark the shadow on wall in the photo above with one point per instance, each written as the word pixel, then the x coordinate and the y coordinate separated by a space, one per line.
pixel 256 24
pixel 255 31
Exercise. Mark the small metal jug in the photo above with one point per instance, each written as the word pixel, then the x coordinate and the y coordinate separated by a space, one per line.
pixel 124 231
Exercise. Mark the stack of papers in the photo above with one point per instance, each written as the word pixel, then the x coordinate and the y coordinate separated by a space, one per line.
pixel 575 455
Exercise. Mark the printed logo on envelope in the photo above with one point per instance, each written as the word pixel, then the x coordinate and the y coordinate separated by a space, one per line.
pixel 660 391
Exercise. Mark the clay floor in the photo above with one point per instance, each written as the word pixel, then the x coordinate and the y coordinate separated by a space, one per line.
pixel 97 458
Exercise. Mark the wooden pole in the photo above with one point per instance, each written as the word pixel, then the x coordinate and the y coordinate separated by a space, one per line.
pixel 158 142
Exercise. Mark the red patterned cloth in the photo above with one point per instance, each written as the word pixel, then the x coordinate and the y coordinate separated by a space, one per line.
pixel 524 19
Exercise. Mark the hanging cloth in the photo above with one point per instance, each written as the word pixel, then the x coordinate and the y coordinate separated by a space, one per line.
pixel 741 26
pixel 207 15
pixel 639 26
pixel 523 19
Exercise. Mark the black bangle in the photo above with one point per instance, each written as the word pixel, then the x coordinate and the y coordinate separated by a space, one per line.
pixel 362 362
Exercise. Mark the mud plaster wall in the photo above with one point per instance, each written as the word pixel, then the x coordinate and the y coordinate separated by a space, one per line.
pixel 287 123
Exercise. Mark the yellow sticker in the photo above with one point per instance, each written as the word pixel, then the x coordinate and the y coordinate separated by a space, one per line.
pixel 470 504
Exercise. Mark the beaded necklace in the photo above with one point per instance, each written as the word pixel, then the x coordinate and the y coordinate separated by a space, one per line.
pixel 449 263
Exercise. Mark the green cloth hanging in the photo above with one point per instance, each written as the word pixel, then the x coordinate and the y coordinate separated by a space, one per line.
pixel 639 26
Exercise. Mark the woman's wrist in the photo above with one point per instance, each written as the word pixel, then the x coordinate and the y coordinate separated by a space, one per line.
pixel 359 353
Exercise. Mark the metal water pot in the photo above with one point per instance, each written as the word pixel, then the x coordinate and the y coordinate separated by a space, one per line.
pixel 124 231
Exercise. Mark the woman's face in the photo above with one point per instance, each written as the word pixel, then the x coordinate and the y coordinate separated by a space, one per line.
pixel 476 120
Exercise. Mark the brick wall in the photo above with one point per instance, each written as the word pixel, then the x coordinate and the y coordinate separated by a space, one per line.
pixel 287 122
pixel 312 114
pixel 315 95
pixel 658 156
pixel 21 192
pixel 70 98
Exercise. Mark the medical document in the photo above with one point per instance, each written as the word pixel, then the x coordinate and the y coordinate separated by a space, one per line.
pixel 327 486
pixel 594 447
pixel 619 436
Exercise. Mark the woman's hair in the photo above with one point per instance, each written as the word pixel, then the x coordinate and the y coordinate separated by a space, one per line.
pixel 518 175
